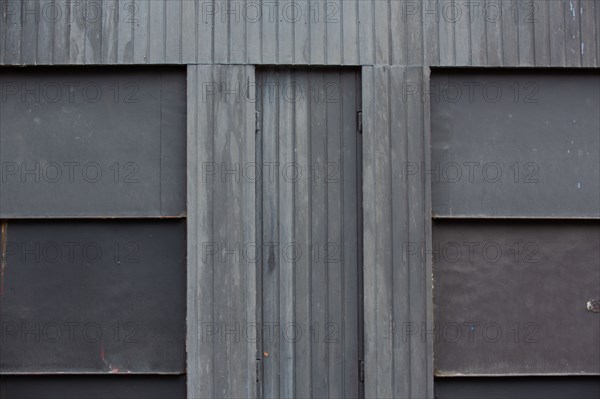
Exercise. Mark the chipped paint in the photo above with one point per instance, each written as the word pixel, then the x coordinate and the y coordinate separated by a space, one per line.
pixel 4 234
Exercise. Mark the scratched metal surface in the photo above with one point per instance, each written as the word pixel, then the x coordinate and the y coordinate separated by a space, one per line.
pixel 93 296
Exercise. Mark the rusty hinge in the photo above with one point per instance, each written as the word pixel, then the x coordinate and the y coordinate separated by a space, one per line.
pixel 359 122
pixel 258 370
pixel 257 123
pixel 361 370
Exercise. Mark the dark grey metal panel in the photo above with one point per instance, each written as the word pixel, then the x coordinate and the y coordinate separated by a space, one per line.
pixel 221 347
pixel 310 249
pixel 93 297
pixel 511 297
pixel 348 32
pixel 517 144
pixel 517 388
pixel 396 217
pixel 93 387
pixel 93 142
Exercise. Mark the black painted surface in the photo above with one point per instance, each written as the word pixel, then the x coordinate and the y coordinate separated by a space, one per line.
pixel 92 142
pixel 511 297
pixel 94 296
pixel 93 387
pixel 517 388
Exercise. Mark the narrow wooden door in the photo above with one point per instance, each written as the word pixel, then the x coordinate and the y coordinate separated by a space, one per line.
pixel 309 204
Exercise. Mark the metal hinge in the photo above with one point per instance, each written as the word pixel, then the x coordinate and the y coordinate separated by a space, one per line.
pixel 257 123
pixel 258 370
pixel 361 370
pixel 359 122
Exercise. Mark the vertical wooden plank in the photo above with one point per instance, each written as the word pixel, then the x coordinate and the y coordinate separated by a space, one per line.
pixel 128 18
pixel 478 24
pixel 446 37
pixel 110 31
pixel 174 29
pixel 271 242
pixel 401 283
pixel 510 29
pixel 366 32
pixel 431 32
pixel 462 33
pixel 285 32
pixel 76 32
pixel 92 15
pixel 227 208
pixel 428 257
pixel 222 21
pixel 319 282
pixel 60 42
pixel 351 259
pixel 334 244
pixel 45 34
pixel 200 230
pixel 557 33
pixel 206 13
pixel 349 21
pixel 287 241
pixel 572 33
pixel 400 13
pixel 249 230
pixel 302 236
pixel 493 26
pixel 541 25
pixel 526 17
pixel 588 33
pixel 189 27
pixel 318 36
pixel 237 32
pixel 416 234
pixel 252 20
pixel 369 232
pixel 141 30
pixel 332 14
pixel 12 39
pixel 157 31
pixel 414 36
pixel 382 32
pixel 30 17
pixel 269 22
pixel 383 234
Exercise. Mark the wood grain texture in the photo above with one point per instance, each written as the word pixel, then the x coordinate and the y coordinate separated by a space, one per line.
pixel 302 32
pixel 221 282
pixel 398 302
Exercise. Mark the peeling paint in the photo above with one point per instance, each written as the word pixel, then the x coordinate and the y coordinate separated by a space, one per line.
pixel 4 233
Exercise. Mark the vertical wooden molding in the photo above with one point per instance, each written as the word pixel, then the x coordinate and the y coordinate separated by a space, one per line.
pixel 397 232
pixel 221 219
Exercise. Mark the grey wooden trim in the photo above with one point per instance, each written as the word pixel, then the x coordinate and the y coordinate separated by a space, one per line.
pixel 337 32
pixel 397 226
pixel 221 289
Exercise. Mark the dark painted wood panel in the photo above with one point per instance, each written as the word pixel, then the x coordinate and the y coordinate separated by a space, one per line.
pixel 511 297
pixel 93 387
pixel 517 388
pixel 93 296
pixel 514 144
pixel 92 143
